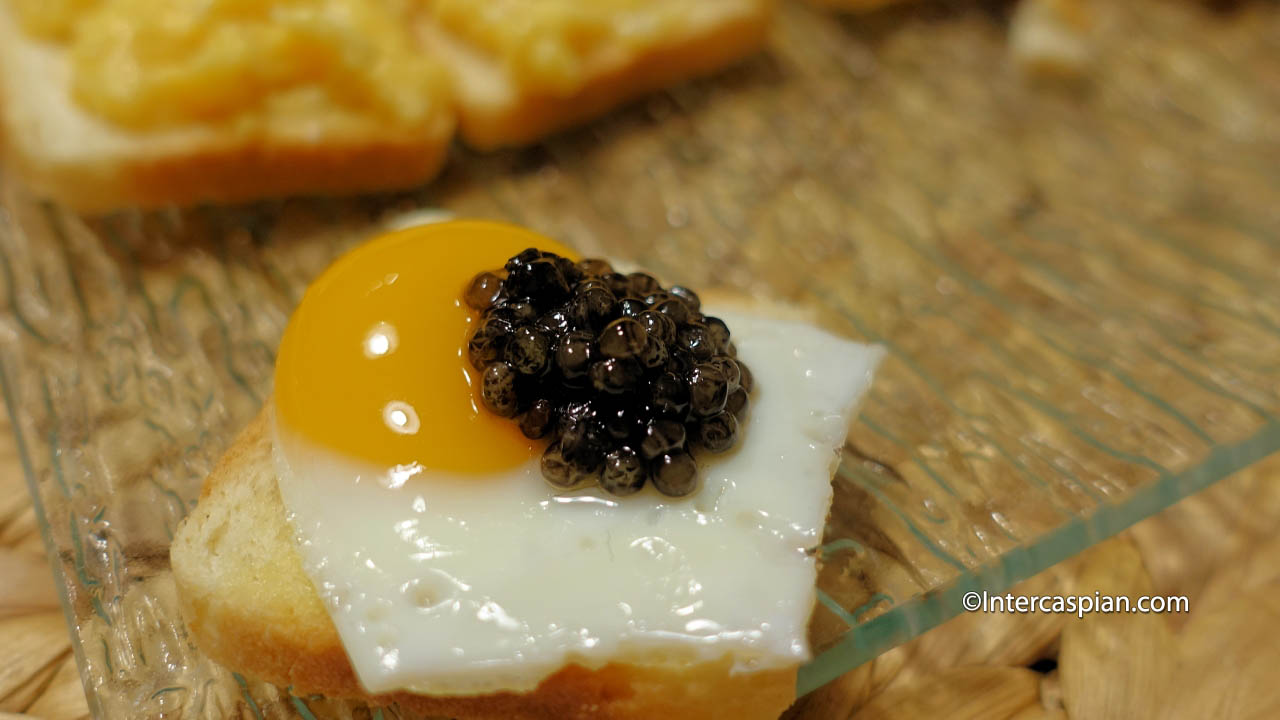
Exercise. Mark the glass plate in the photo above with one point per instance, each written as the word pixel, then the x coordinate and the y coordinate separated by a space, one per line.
pixel 1079 289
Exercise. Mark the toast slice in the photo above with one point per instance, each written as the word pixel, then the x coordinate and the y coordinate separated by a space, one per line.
pixel 90 165
pixel 250 606
pixel 496 109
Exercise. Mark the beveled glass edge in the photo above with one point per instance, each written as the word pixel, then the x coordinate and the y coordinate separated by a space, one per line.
pixel 921 613
pixel 46 535
pixel 906 620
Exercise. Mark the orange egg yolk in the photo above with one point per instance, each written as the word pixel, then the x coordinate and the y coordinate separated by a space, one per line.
pixel 373 363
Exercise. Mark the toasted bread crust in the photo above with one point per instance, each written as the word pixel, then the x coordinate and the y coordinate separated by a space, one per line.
pixel 250 606
pixel 91 165
pixel 228 172
pixel 523 117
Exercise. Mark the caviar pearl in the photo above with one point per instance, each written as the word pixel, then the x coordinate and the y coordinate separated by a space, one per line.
pixel 554 322
pixel 708 390
pixel 583 444
pixel 485 346
pixel 528 351
pixel 693 339
pixel 730 369
pixel 498 389
pixel 555 469
pixel 541 277
pixel 669 395
pixel 654 355
pixel 623 338
pixel 536 421
pixel 483 290
pixel 675 474
pixel 658 325
pixel 614 375
pixel 624 473
pixel 621 423
pixel 595 266
pixel 718 432
pixel 643 284
pixel 520 312
pixel 618 283
pixel 675 309
pixel 689 297
pixel 662 436
pixel 717 334
pixel 631 307
pixel 593 305
pixel 573 355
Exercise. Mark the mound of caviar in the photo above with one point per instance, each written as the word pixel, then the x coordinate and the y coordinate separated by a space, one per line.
pixel 621 375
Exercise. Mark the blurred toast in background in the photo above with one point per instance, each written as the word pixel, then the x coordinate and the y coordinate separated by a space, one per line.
pixel 104 106
pixel 143 103
pixel 568 62
pixel 131 113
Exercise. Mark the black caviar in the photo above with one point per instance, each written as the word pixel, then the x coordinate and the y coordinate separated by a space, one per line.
pixel 621 375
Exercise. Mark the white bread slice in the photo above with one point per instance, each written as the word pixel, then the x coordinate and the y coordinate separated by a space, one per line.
pixel 90 165
pixel 494 111
pixel 250 606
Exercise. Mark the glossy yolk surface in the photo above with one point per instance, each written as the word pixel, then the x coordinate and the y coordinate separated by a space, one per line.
pixel 373 363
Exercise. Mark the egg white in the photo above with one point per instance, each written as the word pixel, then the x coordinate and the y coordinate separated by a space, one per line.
pixel 444 584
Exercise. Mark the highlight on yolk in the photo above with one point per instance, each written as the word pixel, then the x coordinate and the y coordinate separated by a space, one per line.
pixel 373 363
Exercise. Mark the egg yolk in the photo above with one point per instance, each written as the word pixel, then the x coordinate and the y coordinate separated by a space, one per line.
pixel 373 363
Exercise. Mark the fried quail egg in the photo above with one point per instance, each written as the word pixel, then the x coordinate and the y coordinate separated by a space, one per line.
pixel 449 566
